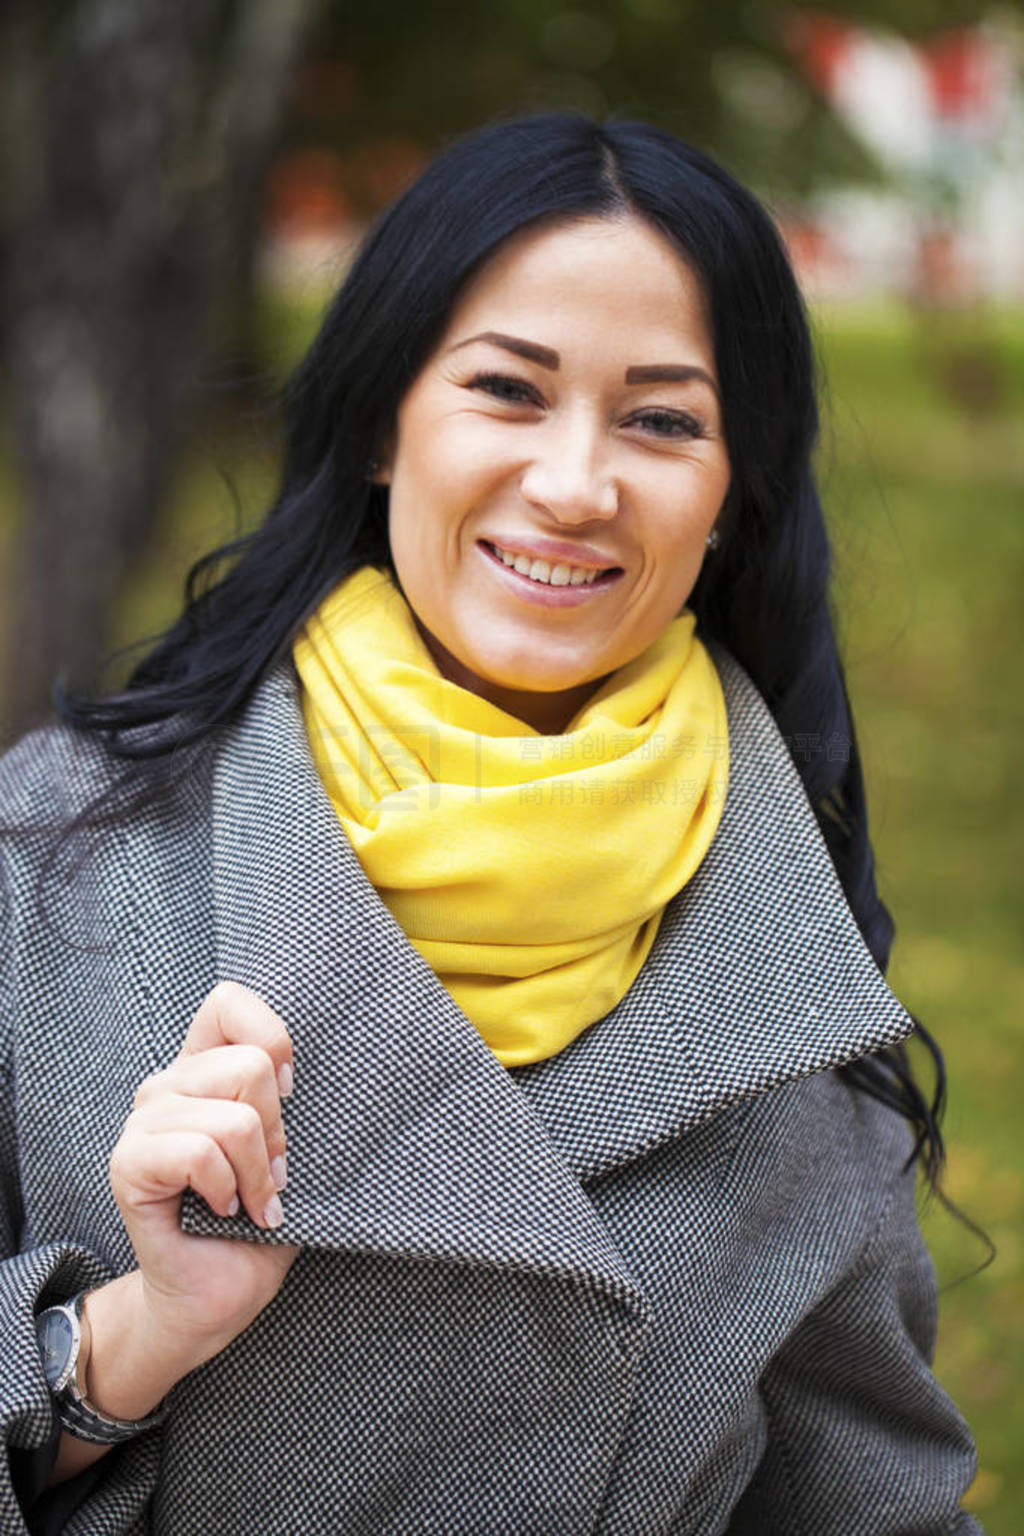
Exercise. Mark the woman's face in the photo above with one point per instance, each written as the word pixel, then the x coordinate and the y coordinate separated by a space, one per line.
pixel 558 465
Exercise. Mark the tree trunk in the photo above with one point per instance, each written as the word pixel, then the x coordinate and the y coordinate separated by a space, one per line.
pixel 138 133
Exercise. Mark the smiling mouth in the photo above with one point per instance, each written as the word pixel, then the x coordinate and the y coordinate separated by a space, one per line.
pixel 548 573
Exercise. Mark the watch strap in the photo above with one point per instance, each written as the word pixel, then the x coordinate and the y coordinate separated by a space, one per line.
pixel 77 1415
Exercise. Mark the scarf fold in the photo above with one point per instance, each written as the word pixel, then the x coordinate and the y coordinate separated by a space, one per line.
pixel 529 871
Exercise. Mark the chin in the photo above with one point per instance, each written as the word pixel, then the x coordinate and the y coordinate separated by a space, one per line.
pixel 532 666
pixel 531 680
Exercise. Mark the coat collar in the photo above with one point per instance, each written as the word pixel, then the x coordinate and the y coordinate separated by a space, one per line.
pixel 759 976
pixel 406 1136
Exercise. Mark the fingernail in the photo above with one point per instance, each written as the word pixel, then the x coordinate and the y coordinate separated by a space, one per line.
pixel 233 1207
pixel 285 1079
pixel 279 1171
pixel 273 1215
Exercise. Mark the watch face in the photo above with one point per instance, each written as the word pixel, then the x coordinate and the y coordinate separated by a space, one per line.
pixel 57 1345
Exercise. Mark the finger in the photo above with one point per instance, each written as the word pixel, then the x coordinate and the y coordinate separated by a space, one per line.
pixel 231 1014
pixel 234 1128
pixel 154 1168
pixel 243 1073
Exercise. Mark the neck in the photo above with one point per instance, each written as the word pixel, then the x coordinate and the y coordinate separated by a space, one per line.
pixel 547 713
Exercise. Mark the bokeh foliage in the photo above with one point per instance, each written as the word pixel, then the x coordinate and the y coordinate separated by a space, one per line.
pixel 391 79
pixel 926 492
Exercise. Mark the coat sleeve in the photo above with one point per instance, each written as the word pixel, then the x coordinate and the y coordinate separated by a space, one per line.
pixel 862 1440
pixel 107 1501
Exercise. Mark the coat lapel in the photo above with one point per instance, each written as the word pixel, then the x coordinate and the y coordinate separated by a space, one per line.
pixel 406 1136
pixel 759 974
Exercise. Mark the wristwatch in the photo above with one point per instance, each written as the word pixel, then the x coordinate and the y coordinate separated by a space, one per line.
pixel 59 1332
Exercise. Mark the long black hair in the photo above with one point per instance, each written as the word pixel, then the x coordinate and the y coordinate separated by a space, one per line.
pixel 764 594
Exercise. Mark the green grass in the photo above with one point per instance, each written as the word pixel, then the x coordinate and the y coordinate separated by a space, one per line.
pixel 922 472
pixel 926 495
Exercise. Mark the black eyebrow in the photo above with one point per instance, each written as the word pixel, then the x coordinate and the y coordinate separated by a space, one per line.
pixel 546 357
pixel 669 373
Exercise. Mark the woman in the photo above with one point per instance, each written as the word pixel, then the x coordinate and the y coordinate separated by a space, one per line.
pixel 461 805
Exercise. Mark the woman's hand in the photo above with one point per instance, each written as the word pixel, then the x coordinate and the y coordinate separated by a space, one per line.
pixel 212 1122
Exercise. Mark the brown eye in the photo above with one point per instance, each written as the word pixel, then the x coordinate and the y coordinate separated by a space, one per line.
pixel 671 424
pixel 505 386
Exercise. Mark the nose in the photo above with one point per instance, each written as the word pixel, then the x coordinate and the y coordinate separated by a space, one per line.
pixel 569 475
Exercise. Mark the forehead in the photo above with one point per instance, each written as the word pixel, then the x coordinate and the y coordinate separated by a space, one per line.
pixel 611 276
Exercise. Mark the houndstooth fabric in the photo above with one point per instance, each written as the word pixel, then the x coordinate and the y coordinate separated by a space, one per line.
pixel 669 1281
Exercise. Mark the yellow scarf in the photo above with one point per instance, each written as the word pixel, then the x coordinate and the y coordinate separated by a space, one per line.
pixel 529 871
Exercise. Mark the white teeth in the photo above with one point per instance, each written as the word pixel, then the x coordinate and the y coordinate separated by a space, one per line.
pixel 560 575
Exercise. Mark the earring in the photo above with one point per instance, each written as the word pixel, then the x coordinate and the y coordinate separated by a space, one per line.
pixel 373 466
pixel 713 540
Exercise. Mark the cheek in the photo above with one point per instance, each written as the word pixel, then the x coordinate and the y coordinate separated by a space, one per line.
pixel 675 548
pixel 432 485
pixel 676 540
pixel 451 446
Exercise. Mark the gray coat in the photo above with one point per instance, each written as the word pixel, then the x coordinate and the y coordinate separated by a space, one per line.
pixel 668 1281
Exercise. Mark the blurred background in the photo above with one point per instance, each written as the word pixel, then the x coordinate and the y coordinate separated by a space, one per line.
pixel 182 185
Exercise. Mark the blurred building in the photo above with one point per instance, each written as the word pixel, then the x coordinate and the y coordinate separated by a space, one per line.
pixel 944 120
